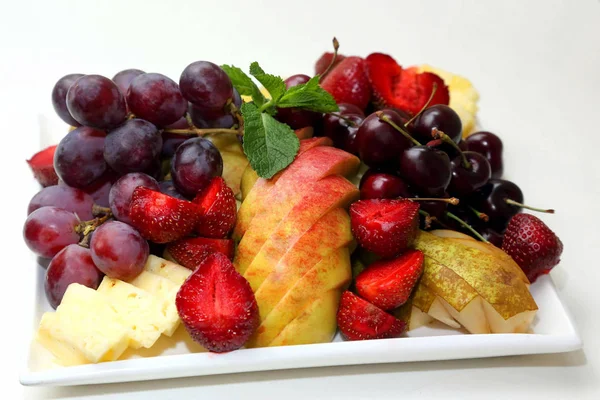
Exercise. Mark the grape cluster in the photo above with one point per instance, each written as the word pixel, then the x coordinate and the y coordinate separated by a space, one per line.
pixel 129 131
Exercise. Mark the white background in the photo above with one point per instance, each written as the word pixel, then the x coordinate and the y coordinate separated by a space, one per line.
pixel 535 63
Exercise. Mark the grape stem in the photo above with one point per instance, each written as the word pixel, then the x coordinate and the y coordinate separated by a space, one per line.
pixel 85 228
pixel 433 90
pixel 515 203
pixel 437 134
pixel 99 210
pixel 450 200
pixel 428 218
pixel 466 226
pixel 236 114
pixel 201 132
pixel 387 120
pixel 336 46
pixel 482 216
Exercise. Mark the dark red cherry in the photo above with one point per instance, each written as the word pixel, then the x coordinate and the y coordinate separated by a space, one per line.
pixel 381 185
pixel 465 180
pixel 426 169
pixel 490 146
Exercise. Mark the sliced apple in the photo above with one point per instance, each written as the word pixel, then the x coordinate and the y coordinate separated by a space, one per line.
pixel 286 187
pixel 285 224
pixel 279 307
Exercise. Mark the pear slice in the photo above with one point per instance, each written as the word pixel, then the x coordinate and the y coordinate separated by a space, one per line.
pixel 482 288
pixel 450 234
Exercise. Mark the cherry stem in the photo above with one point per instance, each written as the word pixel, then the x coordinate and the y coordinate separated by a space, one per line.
pixel 437 134
pixel 348 120
pixel 336 46
pixel 450 200
pixel 466 226
pixel 424 106
pixel 428 218
pixel 201 132
pixel 387 120
pixel 516 203
pixel 482 216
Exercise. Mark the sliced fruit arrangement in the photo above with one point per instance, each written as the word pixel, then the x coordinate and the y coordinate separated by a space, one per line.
pixel 359 199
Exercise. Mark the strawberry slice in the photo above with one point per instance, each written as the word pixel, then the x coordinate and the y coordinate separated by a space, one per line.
pixel 405 89
pixel 388 284
pixel 220 209
pixel 162 218
pixel 217 306
pixel 42 165
pixel 348 82
pixel 532 244
pixel 360 320
pixel 324 61
pixel 191 252
pixel 384 226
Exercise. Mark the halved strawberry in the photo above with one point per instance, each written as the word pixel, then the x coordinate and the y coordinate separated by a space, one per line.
pixel 162 218
pixel 405 89
pixel 360 320
pixel 190 252
pixel 220 209
pixel 324 61
pixel 217 306
pixel 42 165
pixel 388 284
pixel 348 82
pixel 384 226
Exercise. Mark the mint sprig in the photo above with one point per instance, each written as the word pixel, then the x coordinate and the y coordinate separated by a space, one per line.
pixel 271 145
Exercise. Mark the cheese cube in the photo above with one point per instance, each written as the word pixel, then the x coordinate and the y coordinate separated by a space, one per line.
pixel 87 323
pixel 165 291
pixel 167 269
pixel 138 310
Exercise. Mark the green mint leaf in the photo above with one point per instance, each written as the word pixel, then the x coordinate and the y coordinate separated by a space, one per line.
pixel 274 84
pixel 269 144
pixel 244 84
pixel 309 96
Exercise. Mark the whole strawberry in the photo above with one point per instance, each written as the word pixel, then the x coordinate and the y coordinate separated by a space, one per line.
pixel 348 82
pixel 383 226
pixel 532 245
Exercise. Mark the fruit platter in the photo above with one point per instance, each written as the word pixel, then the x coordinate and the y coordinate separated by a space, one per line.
pixel 238 221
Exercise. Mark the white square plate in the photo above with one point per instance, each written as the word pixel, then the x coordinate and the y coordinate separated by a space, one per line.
pixel 553 332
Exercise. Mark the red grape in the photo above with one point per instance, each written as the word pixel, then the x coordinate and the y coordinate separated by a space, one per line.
pixel 100 187
pixel 118 250
pixel 206 85
pixel 123 78
pixel 156 98
pixel 96 101
pixel 171 142
pixel 213 120
pixel 59 98
pixel 133 146
pixel 73 264
pixel 48 230
pixel 194 164
pixel 168 188
pixel 120 193
pixel 69 199
pixel 79 157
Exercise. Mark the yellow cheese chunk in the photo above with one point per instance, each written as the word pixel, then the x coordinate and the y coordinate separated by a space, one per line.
pixel 87 323
pixel 138 310
pixel 167 269
pixel 165 291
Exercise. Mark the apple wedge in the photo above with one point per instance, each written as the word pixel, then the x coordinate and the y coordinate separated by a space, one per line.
pixel 262 248
pixel 331 273
pixel 286 187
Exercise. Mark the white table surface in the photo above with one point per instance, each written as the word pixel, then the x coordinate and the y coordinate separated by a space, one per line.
pixel 535 63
